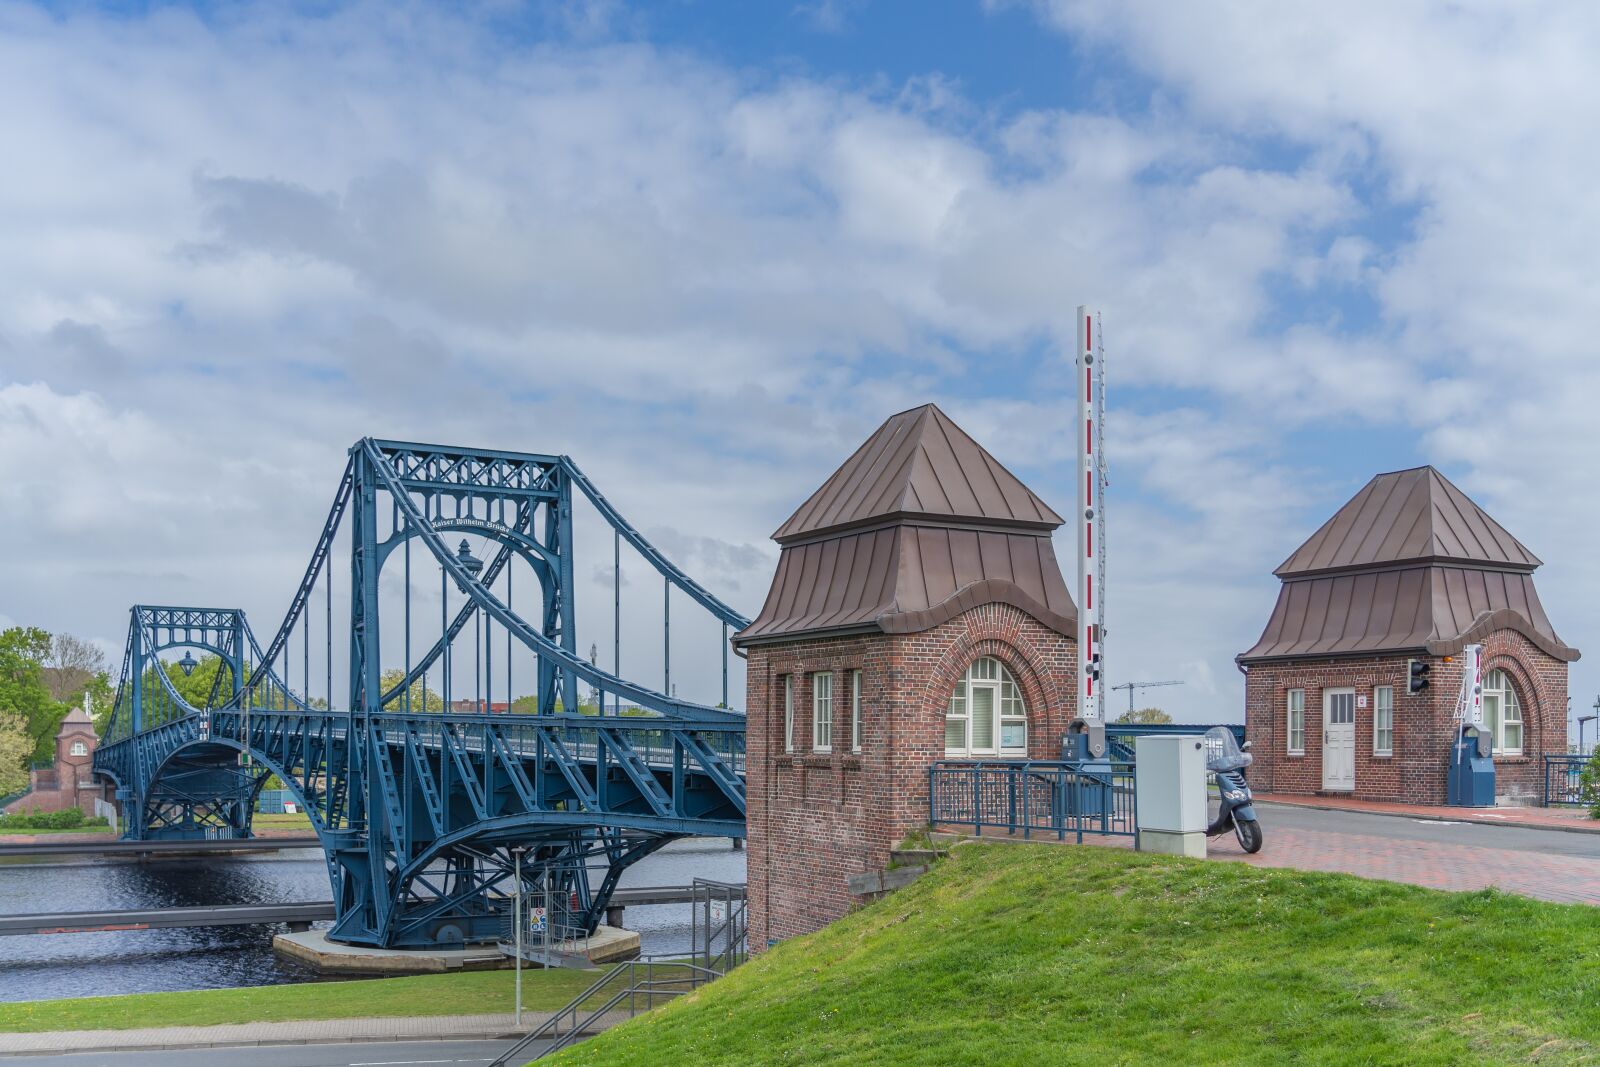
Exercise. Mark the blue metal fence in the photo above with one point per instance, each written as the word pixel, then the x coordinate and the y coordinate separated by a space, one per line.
pixel 1562 775
pixel 272 801
pixel 1046 797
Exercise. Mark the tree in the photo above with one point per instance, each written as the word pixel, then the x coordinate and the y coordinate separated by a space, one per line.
pixel 23 692
pixel 429 700
pixel 1145 717
pixel 16 748
pixel 70 666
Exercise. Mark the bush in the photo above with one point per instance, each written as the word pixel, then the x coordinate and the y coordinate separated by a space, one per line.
pixel 70 819
pixel 1589 785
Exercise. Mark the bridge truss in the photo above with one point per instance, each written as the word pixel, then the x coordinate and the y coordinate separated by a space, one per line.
pixel 423 801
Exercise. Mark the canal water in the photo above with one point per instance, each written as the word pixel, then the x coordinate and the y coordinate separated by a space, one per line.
pixel 47 966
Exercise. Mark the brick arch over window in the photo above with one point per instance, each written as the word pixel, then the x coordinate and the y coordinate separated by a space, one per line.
pixel 1528 698
pixel 1043 675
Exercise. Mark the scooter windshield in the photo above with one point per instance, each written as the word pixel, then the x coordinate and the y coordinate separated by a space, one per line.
pixel 1223 752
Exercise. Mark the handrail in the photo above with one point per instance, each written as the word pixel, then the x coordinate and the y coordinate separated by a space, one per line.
pixel 1046 796
pixel 552 1026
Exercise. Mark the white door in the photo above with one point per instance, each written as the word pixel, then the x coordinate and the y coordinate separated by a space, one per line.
pixel 1339 739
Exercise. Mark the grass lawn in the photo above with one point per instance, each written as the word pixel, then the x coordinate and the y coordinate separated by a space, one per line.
pixel 1044 955
pixel 6 834
pixel 470 993
pixel 278 823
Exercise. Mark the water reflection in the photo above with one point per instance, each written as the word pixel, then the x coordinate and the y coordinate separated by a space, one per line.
pixel 83 965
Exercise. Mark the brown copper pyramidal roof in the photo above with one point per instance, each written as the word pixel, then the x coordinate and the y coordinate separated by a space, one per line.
pixel 919 525
pixel 1408 516
pixel 918 464
pixel 1409 564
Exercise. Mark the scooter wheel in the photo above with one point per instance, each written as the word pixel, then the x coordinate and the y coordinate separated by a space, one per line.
pixel 1249 834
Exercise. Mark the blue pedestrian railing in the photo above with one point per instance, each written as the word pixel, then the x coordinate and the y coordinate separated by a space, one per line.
pixel 1562 780
pixel 1027 796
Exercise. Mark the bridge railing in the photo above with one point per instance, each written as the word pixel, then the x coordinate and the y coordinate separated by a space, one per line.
pixel 1033 796
pixel 1563 778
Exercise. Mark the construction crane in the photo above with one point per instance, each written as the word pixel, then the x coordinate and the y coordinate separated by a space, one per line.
pixel 1131 686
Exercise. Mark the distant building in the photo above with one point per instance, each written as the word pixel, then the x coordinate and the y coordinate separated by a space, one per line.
pixel 917 613
pixel 1410 568
pixel 69 781
pixel 469 706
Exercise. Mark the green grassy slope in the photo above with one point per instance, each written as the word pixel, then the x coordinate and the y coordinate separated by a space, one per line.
pixel 1050 955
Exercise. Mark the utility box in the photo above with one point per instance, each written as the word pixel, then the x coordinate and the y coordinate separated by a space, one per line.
pixel 1170 794
pixel 1469 783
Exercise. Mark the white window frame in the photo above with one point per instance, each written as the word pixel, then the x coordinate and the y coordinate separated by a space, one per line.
pixel 855 710
pixel 822 711
pixel 1009 710
pixel 788 713
pixel 1382 720
pixel 1506 694
pixel 79 748
pixel 1294 711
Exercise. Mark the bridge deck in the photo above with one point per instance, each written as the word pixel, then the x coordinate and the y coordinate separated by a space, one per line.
pixel 184 848
pixel 81 922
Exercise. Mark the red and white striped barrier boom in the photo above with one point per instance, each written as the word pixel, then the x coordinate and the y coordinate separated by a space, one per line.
pixel 1091 519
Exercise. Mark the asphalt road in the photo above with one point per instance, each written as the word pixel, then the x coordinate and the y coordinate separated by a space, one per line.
pixel 386 1054
pixel 1510 838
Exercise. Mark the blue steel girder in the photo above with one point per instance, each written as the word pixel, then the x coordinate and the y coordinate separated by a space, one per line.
pixel 419 811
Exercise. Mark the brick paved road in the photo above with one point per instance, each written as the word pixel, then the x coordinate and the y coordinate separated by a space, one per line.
pixel 1549 865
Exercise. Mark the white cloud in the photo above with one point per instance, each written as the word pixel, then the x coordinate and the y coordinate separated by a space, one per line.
pixel 235 245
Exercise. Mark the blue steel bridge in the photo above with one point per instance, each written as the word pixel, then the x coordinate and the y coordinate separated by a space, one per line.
pixel 425 811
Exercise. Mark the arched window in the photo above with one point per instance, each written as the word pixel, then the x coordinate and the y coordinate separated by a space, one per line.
pixel 79 748
pixel 1502 713
pixel 986 716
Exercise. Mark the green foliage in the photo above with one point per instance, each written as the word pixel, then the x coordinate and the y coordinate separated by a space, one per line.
pixel 1589 785
pixel 23 691
pixel 15 748
pixel 1144 717
pixel 422 699
pixel 1050 954
pixel 70 819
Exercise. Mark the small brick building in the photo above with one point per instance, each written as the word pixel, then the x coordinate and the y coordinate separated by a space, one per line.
pixel 918 613
pixel 1410 568
pixel 69 782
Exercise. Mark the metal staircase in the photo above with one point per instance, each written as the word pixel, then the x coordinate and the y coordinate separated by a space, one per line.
pixel 720 927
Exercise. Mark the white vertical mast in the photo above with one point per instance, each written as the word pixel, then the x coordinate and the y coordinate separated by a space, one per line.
pixel 1091 527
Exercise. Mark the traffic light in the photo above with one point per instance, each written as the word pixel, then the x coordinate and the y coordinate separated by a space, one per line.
pixel 1417 675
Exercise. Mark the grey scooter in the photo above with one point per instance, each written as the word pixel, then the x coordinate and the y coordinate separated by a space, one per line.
pixel 1227 761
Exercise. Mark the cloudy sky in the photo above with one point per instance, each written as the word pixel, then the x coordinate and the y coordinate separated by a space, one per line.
pixel 706 247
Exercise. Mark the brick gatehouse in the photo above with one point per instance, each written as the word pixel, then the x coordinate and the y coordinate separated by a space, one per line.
pixel 917 612
pixel 1410 568
pixel 69 781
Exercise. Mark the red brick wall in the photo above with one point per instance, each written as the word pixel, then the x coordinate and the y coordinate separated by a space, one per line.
pixel 69 782
pixel 814 819
pixel 1423 724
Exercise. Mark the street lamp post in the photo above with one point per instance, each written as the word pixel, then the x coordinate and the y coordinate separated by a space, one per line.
pixel 516 925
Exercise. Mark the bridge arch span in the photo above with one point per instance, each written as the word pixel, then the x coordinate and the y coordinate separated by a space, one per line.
pixel 422 814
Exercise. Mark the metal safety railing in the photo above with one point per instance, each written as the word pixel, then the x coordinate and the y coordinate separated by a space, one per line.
pixel 1031 797
pixel 720 943
pixel 1563 780
pixel 627 988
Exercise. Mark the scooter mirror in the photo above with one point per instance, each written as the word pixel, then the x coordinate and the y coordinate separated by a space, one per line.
pixel 1246 746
